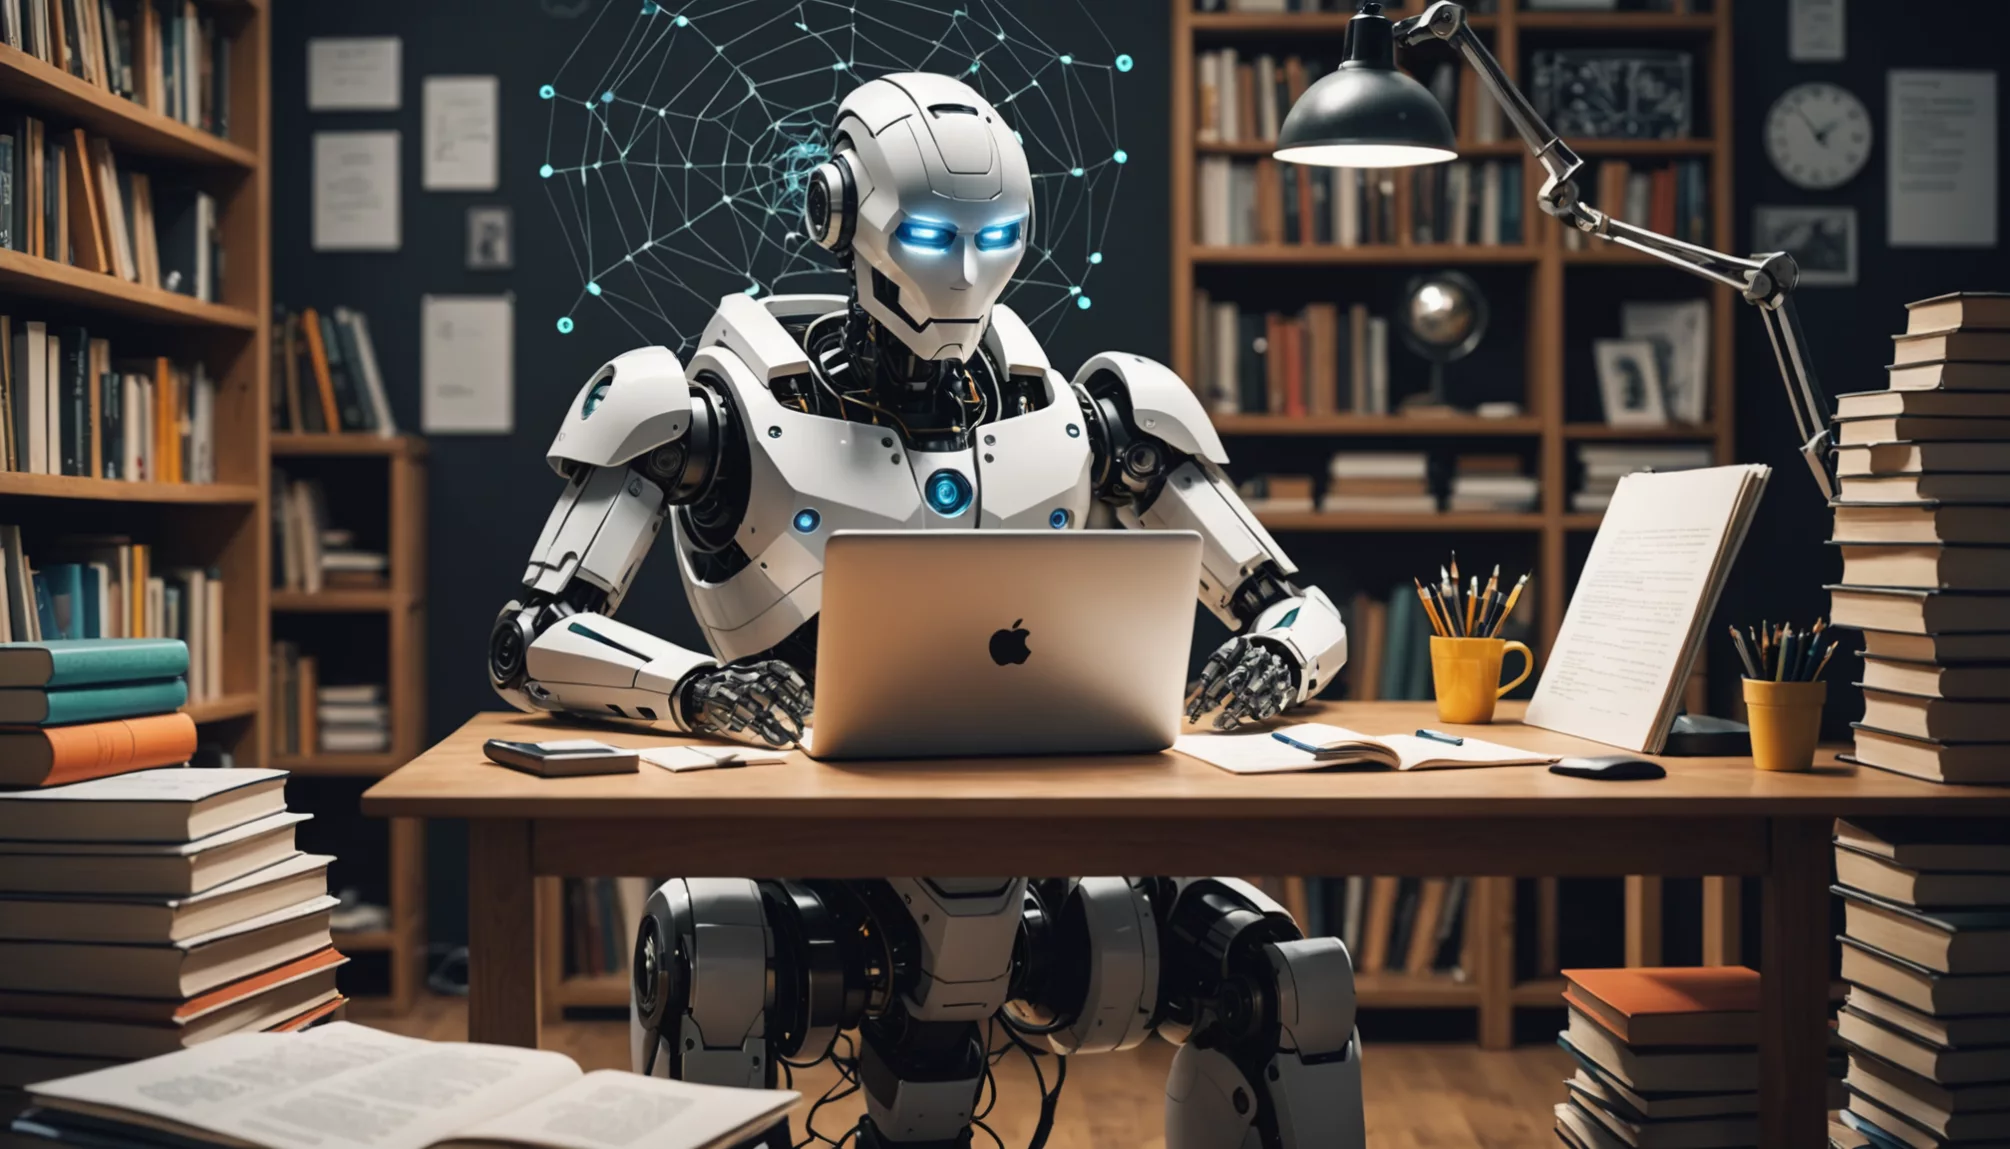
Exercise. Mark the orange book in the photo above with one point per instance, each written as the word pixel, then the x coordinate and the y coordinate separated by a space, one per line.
pixel 1293 331
pixel 1696 1005
pixel 58 755
pixel 300 1021
pixel 87 223
pixel 308 683
pixel 1245 102
pixel 171 1011
pixel 317 354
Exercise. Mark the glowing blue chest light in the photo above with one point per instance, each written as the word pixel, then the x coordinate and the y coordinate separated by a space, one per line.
pixel 949 494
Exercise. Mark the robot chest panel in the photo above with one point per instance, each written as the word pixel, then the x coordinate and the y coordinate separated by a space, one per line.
pixel 812 476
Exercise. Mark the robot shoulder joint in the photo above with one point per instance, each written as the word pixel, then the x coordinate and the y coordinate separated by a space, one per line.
pixel 636 402
pixel 1152 401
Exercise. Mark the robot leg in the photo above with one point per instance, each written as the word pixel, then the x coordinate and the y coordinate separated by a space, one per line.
pixel 1265 1019
pixel 698 999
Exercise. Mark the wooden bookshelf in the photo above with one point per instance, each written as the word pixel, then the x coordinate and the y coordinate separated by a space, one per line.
pixel 221 524
pixel 1546 429
pixel 395 464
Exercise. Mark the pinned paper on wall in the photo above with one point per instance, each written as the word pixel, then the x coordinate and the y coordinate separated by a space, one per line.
pixel 461 136
pixel 467 364
pixel 1817 30
pixel 1942 159
pixel 354 73
pixel 356 191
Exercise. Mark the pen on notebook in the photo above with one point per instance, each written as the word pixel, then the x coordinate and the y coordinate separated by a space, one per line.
pixel 1441 736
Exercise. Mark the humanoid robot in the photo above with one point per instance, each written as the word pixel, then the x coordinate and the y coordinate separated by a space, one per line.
pixel 921 402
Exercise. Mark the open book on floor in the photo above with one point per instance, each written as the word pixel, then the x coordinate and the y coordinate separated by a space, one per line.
pixel 313 1085
pixel 1317 746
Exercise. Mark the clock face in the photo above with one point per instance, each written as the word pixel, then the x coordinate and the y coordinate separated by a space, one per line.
pixel 1818 135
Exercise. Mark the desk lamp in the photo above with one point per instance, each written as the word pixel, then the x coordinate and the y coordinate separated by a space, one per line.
pixel 1366 114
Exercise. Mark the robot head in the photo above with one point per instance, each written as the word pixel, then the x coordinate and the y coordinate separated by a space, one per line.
pixel 929 191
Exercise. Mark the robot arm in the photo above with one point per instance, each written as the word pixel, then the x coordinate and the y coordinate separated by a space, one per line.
pixel 1159 461
pixel 637 439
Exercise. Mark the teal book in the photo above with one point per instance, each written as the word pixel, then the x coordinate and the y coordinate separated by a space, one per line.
pixel 91 661
pixel 1403 612
pixel 67 705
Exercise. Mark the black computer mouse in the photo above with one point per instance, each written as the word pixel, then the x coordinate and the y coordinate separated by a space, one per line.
pixel 1609 768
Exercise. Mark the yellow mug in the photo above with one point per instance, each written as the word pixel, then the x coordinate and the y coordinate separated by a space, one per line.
pixel 1467 674
pixel 1786 721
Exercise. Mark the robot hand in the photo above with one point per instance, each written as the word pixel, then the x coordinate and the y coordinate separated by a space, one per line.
pixel 764 700
pixel 1248 678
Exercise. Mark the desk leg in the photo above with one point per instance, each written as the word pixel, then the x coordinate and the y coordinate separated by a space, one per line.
pixel 502 934
pixel 1795 986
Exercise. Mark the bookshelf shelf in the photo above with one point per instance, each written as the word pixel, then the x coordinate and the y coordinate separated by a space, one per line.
pixel 1296 23
pixel 1618 21
pixel 1396 990
pixel 46 88
pixel 364 941
pixel 602 991
pixel 335 601
pixel 223 707
pixel 1371 523
pixel 1379 255
pixel 47 281
pixel 1378 425
pixel 22 484
pixel 1676 432
pixel 1546 345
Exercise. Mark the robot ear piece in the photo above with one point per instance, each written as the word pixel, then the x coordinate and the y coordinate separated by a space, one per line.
pixel 830 209
pixel 653 973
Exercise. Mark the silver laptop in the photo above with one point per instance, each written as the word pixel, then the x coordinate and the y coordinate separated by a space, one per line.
pixel 951 643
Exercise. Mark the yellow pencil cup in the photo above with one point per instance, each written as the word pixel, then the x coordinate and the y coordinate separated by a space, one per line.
pixel 1786 721
pixel 1467 674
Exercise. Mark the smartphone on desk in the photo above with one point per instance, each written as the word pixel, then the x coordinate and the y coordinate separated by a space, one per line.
pixel 565 758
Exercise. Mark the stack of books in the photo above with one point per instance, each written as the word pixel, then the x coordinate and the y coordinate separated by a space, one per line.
pixel 310 716
pixel 353 719
pixel 1379 482
pixel 152 910
pixel 312 555
pixel 1605 464
pixel 1277 494
pixel 102 681
pixel 1926 950
pixel 1925 477
pixel 1492 483
pixel 1665 1057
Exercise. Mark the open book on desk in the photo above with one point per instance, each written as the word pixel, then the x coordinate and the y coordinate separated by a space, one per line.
pixel 1269 752
pixel 373 1090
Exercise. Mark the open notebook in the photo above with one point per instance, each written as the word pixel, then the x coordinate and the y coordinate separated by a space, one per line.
pixel 1267 753
pixel 359 1088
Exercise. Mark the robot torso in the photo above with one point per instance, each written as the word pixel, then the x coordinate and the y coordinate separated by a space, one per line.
pixel 754 578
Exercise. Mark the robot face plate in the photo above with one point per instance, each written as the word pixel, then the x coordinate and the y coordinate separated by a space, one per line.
pixel 945 208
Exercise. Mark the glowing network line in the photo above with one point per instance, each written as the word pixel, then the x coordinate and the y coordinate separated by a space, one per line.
pixel 679 147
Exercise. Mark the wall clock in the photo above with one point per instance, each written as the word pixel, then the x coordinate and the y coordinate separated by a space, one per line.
pixel 1818 135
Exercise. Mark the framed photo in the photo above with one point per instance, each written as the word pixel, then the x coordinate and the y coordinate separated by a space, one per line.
pixel 1629 380
pixel 489 239
pixel 1821 239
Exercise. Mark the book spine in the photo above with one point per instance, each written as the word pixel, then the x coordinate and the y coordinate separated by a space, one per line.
pixel 98 703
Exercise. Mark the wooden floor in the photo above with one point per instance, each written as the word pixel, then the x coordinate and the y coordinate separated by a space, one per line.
pixel 1419 1096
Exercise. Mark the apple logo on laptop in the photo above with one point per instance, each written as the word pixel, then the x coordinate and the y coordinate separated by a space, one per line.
pixel 1008 647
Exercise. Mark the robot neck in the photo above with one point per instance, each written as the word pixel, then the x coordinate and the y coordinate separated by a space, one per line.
pixel 936 401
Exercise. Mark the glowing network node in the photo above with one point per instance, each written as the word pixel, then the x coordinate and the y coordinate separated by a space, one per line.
pixel 1082 301
pixel 1121 156
pixel 565 325
pixel 703 162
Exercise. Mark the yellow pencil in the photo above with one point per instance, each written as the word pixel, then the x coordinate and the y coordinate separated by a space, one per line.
pixel 1430 611
pixel 1514 596
pixel 1472 596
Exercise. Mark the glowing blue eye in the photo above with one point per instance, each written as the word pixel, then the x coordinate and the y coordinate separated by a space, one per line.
pixel 807 520
pixel 997 236
pixel 949 493
pixel 926 236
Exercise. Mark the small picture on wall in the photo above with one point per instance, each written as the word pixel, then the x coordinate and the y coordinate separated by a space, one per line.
pixel 1629 381
pixel 489 239
pixel 1821 239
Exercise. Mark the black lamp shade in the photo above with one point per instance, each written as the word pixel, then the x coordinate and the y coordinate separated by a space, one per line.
pixel 1366 114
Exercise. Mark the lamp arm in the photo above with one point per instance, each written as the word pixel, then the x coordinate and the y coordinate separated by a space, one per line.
pixel 1765 281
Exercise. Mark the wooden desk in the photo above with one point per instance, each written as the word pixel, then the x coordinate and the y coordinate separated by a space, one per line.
pixel 1166 814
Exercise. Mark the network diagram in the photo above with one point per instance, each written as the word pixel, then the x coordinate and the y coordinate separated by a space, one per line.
pixel 682 137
